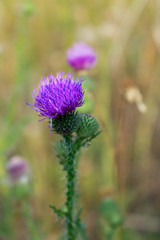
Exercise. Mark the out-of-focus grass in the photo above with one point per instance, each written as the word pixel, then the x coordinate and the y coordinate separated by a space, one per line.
pixel 124 160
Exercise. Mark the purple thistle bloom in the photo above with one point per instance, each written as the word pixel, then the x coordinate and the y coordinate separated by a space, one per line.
pixel 57 95
pixel 81 56
pixel 16 167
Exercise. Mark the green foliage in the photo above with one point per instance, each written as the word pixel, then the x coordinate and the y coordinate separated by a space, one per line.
pixel 29 8
pixel 60 212
pixel 88 83
pixel 20 191
pixel 6 219
pixel 30 222
pixel 110 211
pixel 88 105
pixel 61 151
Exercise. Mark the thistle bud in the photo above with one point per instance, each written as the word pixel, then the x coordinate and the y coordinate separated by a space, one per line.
pixel 66 124
pixel 88 126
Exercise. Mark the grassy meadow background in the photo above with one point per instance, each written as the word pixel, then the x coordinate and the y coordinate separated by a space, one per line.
pixel 124 161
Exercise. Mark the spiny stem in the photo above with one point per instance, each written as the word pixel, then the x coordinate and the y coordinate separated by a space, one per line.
pixel 70 194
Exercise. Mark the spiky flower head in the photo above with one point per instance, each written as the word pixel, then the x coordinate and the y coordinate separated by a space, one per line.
pixel 81 56
pixel 88 126
pixel 57 96
pixel 66 124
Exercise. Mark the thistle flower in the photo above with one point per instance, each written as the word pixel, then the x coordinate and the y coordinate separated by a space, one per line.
pixel 16 168
pixel 57 96
pixel 81 56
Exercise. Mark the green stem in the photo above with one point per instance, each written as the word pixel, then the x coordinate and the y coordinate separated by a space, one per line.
pixel 31 226
pixel 70 194
pixel 110 233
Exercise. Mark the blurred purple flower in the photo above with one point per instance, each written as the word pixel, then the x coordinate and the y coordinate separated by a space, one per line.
pixel 81 56
pixel 57 95
pixel 16 167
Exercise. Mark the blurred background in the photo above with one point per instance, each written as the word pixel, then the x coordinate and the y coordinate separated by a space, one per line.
pixel 123 163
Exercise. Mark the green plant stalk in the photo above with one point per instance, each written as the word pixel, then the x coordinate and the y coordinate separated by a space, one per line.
pixel 110 233
pixel 6 220
pixel 70 193
pixel 68 152
pixel 31 226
